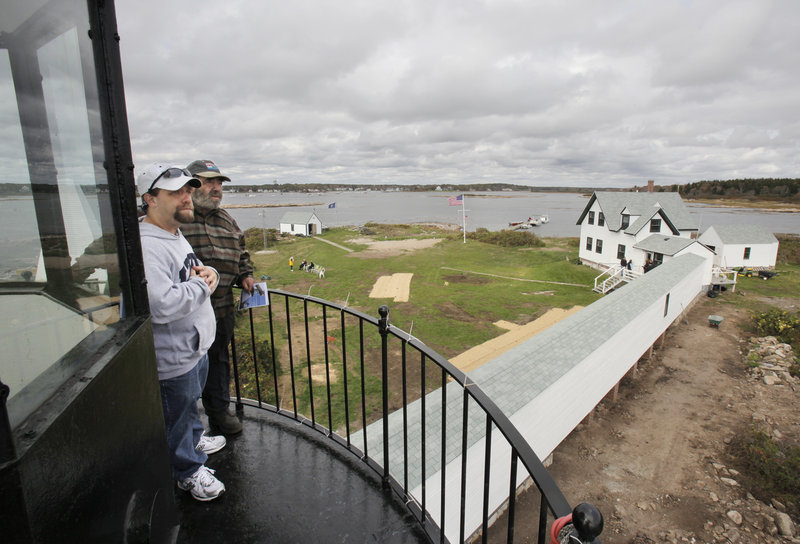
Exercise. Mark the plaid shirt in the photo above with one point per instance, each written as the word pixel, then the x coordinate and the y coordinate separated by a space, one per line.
pixel 218 241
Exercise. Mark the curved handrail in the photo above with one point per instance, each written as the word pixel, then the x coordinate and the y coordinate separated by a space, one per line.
pixel 552 497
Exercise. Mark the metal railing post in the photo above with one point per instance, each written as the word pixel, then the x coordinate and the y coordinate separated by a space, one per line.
pixel 236 382
pixel 383 328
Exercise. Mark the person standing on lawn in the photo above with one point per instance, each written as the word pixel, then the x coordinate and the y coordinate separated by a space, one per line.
pixel 219 242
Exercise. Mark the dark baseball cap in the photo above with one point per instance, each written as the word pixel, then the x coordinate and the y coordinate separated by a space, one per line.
pixel 206 169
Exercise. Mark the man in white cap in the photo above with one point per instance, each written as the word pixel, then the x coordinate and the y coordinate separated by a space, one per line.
pixel 219 242
pixel 179 288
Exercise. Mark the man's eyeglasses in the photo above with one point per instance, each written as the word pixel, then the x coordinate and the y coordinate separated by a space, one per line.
pixel 170 173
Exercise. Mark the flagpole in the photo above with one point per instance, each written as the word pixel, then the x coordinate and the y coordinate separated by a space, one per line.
pixel 464 216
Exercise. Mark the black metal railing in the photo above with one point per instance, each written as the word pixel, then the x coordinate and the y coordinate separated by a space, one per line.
pixel 413 423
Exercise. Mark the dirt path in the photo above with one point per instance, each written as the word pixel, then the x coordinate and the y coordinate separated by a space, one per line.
pixel 653 461
pixel 512 278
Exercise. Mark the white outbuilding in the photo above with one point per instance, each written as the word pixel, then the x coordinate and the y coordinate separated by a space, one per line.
pixel 749 246
pixel 301 223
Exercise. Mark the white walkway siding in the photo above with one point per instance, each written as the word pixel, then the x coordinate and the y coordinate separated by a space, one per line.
pixel 546 386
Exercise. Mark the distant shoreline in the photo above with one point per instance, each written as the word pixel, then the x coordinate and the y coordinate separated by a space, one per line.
pixel 759 205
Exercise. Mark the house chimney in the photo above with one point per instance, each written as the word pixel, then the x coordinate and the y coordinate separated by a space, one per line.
pixel 650 185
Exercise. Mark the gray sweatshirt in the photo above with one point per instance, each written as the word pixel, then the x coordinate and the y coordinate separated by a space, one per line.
pixel 184 325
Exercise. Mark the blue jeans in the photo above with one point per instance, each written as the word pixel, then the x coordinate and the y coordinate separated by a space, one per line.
pixel 182 418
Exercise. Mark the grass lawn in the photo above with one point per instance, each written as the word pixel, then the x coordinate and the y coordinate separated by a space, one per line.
pixel 450 310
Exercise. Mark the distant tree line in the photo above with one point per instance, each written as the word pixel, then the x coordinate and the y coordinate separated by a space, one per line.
pixel 444 187
pixel 763 188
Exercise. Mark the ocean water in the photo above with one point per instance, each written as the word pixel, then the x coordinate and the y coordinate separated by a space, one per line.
pixel 19 237
pixel 490 210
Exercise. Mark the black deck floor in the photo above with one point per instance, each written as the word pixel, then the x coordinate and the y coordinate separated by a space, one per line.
pixel 287 484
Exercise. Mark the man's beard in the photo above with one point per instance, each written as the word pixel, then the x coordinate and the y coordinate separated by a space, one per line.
pixel 185 215
pixel 204 200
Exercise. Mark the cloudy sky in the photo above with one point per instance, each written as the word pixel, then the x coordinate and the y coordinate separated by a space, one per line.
pixel 567 93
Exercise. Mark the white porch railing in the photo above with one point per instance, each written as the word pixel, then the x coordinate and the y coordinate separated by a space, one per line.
pixel 613 276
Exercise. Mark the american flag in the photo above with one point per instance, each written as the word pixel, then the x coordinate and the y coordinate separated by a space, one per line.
pixel 456 200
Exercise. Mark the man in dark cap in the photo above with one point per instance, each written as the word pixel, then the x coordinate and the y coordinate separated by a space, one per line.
pixel 219 242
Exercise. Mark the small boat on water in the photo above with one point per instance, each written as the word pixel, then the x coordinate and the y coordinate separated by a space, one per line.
pixel 530 222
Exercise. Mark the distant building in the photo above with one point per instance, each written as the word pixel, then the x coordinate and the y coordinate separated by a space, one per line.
pixel 302 223
pixel 636 227
pixel 741 245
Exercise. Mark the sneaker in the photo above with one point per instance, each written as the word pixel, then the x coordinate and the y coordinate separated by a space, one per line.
pixel 210 444
pixel 203 485
pixel 225 422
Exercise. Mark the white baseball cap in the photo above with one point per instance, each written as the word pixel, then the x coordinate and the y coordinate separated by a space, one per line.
pixel 164 176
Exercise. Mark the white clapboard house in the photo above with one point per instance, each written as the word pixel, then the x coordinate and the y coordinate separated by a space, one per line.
pixel 640 227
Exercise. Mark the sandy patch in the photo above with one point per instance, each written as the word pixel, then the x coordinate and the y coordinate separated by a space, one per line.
pixel 318 374
pixel 396 286
pixel 393 247
pixel 475 357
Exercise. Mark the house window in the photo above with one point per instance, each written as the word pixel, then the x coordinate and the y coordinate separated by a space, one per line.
pixel 620 251
pixel 746 253
pixel 598 246
pixel 591 218
pixel 666 305
pixel 589 243
pixel 626 221
pixel 655 225
pixel 601 219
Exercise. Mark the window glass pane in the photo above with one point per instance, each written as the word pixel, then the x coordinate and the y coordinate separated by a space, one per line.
pixel 19 233
pixel 59 272
pixel 655 225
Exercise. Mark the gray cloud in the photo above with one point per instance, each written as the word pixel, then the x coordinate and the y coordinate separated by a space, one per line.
pixel 536 93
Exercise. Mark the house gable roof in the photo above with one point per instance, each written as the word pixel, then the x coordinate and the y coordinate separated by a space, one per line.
pixel 744 234
pixel 644 220
pixel 297 218
pixel 666 245
pixel 613 203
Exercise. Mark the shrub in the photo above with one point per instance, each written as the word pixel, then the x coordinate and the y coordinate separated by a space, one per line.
pixel 775 466
pixel 254 238
pixel 788 248
pixel 506 238
pixel 780 324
